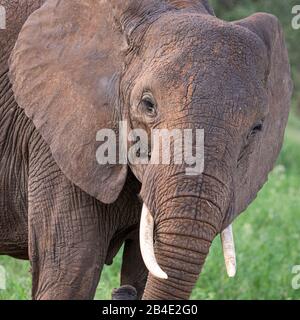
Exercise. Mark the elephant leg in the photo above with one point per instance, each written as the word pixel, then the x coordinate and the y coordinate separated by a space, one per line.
pixel 67 251
pixel 134 272
pixel 69 233
pixel 74 279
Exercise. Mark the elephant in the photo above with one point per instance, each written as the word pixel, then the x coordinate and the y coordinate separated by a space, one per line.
pixel 71 68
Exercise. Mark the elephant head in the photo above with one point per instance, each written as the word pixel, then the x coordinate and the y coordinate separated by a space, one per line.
pixel 79 66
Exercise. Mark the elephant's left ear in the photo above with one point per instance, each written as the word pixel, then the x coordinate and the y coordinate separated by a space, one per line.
pixel 64 70
pixel 279 90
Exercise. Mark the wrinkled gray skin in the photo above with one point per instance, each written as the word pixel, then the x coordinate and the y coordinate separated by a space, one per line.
pixel 67 234
pixel 78 66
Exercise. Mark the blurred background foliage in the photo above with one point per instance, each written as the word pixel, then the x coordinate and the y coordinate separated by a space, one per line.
pixel 267 234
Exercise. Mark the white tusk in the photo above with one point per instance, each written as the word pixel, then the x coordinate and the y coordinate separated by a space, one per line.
pixel 146 244
pixel 229 251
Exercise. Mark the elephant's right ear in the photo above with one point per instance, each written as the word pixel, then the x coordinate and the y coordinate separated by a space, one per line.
pixel 278 88
pixel 64 70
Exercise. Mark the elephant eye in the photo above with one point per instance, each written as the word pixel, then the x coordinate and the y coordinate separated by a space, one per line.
pixel 258 127
pixel 148 105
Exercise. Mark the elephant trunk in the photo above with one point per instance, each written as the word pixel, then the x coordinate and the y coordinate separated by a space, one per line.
pixel 181 251
pixel 184 228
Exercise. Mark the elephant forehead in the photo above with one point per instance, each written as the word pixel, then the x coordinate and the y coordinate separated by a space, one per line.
pixel 204 61
pixel 183 41
pixel 208 85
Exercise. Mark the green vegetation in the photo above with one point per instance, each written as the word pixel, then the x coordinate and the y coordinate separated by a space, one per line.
pixel 267 234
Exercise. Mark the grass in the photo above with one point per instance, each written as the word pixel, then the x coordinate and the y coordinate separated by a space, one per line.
pixel 267 243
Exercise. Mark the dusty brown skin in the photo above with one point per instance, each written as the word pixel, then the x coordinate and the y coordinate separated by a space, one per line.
pixel 79 66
